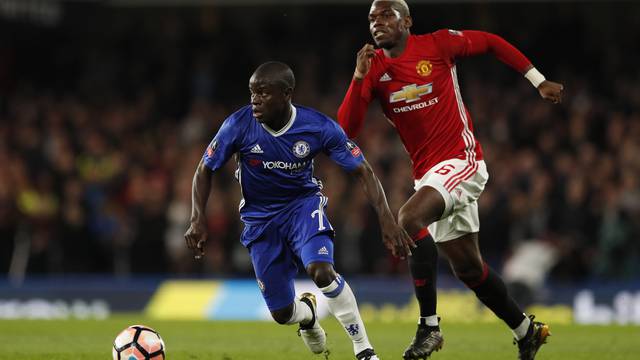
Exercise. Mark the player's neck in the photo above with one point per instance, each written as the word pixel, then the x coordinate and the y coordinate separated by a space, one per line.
pixel 397 50
pixel 280 121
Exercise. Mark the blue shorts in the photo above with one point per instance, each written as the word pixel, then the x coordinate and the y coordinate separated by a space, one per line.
pixel 300 232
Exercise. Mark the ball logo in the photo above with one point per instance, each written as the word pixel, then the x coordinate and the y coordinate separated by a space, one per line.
pixel 424 68
pixel 301 149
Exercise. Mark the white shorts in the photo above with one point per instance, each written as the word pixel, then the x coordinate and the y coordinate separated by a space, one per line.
pixel 460 183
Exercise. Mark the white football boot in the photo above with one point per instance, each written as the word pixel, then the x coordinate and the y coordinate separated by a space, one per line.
pixel 312 334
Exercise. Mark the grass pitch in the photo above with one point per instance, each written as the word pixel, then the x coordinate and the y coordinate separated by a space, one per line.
pixel 78 339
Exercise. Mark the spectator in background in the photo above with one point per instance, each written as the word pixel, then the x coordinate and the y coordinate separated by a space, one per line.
pixel 153 99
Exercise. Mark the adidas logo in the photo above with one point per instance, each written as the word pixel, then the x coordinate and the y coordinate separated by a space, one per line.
pixel 323 251
pixel 256 149
pixel 385 77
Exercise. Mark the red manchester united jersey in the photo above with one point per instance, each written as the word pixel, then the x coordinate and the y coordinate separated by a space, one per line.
pixel 419 93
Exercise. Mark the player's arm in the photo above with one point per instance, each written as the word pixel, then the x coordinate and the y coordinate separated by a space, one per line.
pixel 393 235
pixel 348 155
pixel 196 235
pixel 215 156
pixel 353 109
pixel 471 42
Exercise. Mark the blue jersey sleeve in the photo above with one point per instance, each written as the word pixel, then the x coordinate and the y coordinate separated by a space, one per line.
pixel 222 146
pixel 340 149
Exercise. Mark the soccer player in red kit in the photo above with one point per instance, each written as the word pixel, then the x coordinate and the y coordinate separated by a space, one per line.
pixel 414 78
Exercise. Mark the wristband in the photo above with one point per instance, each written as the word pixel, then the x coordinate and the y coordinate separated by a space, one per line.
pixel 535 77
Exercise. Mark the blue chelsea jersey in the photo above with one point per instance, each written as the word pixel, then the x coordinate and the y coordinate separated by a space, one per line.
pixel 276 167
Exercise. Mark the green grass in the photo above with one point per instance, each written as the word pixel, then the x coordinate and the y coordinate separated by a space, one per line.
pixel 265 341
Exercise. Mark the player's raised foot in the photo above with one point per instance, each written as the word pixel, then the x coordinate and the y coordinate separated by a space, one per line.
pixel 536 336
pixel 367 354
pixel 427 340
pixel 312 334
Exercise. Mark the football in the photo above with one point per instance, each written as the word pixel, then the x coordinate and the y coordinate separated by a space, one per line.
pixel 138 342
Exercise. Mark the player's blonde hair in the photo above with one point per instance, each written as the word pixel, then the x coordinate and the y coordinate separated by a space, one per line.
pixel 399 5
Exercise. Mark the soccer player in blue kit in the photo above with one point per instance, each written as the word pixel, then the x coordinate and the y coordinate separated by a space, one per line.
pixel 283 208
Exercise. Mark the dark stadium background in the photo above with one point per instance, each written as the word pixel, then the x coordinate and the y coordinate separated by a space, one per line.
pixel 106 107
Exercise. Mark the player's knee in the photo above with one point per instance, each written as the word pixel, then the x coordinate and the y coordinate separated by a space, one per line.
pixel 409 221
pixel 322 274
pixel 282 316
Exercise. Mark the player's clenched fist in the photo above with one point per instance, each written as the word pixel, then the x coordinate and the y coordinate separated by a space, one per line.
pixel 195 237
pixel 551 91
pixel 363 61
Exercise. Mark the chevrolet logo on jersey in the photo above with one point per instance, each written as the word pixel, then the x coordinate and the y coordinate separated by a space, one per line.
pixel 411 93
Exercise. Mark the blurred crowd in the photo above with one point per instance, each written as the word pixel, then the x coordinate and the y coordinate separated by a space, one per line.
pixel 105 115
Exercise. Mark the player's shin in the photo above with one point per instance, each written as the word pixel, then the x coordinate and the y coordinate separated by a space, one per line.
pixel 491 291
pixel 342 304
pixel 424 268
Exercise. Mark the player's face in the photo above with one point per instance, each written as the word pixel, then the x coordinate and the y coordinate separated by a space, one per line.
pixel 386 24
pixel 268 99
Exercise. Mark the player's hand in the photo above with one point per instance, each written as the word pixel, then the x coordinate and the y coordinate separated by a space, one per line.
pixel 551 91
pixel 363 61
pixel 397 240
pixel 195 237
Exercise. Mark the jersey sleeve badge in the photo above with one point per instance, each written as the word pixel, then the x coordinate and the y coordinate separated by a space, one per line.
pixel 353 148
pixel 211 149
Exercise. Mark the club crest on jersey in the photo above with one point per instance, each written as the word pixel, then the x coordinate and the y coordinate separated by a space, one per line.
pixel 424 67
pixel 301 149
pixel 411 93
pixel 353 148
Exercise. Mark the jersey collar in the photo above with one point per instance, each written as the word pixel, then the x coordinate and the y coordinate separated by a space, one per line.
pixel 284 128
pixel 410 40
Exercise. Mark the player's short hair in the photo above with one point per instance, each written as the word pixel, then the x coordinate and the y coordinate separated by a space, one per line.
pixel 277 72
pixel 399 5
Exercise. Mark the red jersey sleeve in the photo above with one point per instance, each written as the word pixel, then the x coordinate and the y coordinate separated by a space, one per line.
pixel 354 106
pixel 453 44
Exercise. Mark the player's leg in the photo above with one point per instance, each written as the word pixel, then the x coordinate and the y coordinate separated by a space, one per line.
pixel 312 240
pixel 457 238
pixel 431 202
pixel 423 208
pixel 340 298
pixel 467 264
pixel 275 269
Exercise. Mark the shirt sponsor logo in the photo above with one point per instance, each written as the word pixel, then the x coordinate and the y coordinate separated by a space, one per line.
pixel 411 93
pixel 385 77
pixel 424 67
pixel 301 149
pixel 455 32
pixel 282 165
pixel 417 106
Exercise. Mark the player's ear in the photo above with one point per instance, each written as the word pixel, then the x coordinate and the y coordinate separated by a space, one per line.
pixel 288 93
pixel 408 22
